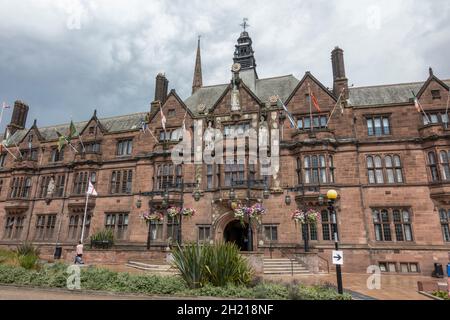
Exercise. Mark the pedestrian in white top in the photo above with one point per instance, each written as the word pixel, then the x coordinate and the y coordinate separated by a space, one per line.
pixel 79 252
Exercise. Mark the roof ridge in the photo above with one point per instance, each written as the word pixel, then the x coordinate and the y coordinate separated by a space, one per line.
pixel 214 85
pixel 85 121
pixel 277 77
pixel 389 85
pixel 395 84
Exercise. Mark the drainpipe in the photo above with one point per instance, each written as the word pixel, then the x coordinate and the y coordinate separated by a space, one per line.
pixel 366 227
pixel 62 209
pixel 32 207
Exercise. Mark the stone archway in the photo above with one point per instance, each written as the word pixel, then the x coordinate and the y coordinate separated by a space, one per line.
pixel 237 233
pixel 229 229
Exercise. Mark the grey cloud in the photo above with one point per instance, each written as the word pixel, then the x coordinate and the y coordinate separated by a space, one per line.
pixel 110 63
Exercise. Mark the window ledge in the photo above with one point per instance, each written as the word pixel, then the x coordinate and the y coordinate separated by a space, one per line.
pixel 384 185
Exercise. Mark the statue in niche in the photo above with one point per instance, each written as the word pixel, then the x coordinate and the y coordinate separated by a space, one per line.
pixel 235 104
pixel 50 191
pixel 209 136
pixel 263 133
pixel 276 180
pixel 51 188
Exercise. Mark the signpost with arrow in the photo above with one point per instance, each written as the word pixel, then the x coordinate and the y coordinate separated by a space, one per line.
pixel 338 257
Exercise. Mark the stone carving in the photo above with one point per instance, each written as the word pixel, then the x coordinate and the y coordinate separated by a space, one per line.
pixel 263 133
pixel 209 136
pixel 235 104
pixel 273 99
pixel 51 188
pixel 201 108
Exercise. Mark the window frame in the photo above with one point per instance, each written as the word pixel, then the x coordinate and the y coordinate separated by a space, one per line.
pixel 119 222
pixel 386 230
pixel 271 228
pixel 124 147
pixel 444 219
pixel 372 128
pixel 201 233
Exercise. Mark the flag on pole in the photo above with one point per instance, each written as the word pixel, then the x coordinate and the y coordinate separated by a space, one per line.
pixel 91 190
pixel 184 121
pixel 289 115
pixel 419 107
pixel 315 102
pixel 416 103
pixel 72 130
pixel 163 118
pixel 61 142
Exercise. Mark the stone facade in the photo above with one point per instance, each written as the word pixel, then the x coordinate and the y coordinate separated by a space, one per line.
pixel 413 192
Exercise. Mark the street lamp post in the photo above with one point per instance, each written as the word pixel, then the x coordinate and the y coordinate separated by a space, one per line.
pixel 149 236
pixel 249 230
pixel 332 196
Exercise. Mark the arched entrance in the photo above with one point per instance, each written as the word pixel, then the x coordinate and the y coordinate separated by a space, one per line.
pixel 237 233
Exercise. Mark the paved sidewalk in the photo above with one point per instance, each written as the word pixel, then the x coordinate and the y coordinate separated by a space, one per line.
pixel 27 293
pixel 393 287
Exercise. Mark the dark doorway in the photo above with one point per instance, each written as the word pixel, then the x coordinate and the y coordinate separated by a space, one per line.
pixel 237 233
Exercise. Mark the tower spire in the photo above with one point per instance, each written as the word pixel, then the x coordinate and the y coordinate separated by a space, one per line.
pixel 244 54
pixel 198 77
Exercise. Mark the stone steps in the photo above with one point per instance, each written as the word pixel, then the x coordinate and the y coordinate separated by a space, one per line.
pixel 284 266
pixel 154 268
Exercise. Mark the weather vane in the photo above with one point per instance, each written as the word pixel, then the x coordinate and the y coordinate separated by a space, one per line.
pixel 244 24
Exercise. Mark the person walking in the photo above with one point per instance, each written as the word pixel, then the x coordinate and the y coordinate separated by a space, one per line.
pixel 79 252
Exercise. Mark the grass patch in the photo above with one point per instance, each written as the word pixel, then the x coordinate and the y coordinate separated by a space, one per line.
pixel 55 276
pixel 441 294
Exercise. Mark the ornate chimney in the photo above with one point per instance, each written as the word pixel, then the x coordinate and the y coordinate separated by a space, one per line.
pixel 19 117
pixel 340 81
pixel 161 88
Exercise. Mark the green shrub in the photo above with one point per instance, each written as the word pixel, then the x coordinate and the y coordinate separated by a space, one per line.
pixel 225 265
pixel 26 249
pixel 272 291
pixel 320 293
pixel 441 294
pixel 190 261
pixel 219 265
pixel 28 261
pixel 7 256
pixel 229 291
pixel 105 236
pixel 55 276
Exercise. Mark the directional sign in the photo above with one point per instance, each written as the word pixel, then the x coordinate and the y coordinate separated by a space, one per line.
pixel 338 257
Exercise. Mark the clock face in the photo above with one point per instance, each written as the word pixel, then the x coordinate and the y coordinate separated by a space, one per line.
pixel 236 67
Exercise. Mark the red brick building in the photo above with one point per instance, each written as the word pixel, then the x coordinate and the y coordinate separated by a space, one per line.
pixel 388 162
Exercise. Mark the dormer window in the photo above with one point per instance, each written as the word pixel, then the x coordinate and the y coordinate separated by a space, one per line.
pixel 91 147
pixel 57 155
pixel 436 94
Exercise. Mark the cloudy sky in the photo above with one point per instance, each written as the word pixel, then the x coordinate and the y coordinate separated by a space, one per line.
pixel 66 58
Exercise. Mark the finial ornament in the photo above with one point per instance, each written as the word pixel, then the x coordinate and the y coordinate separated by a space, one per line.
pixel 244 24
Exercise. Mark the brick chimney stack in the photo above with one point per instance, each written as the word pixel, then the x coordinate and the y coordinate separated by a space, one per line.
pixel 19 117
pixel 340 81
pixel 161 88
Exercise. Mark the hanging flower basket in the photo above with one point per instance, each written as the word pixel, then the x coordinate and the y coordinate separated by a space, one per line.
pixel 309 216
pixel 187 212
pixel 156 216
pixel 173 212
pixel 253 212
